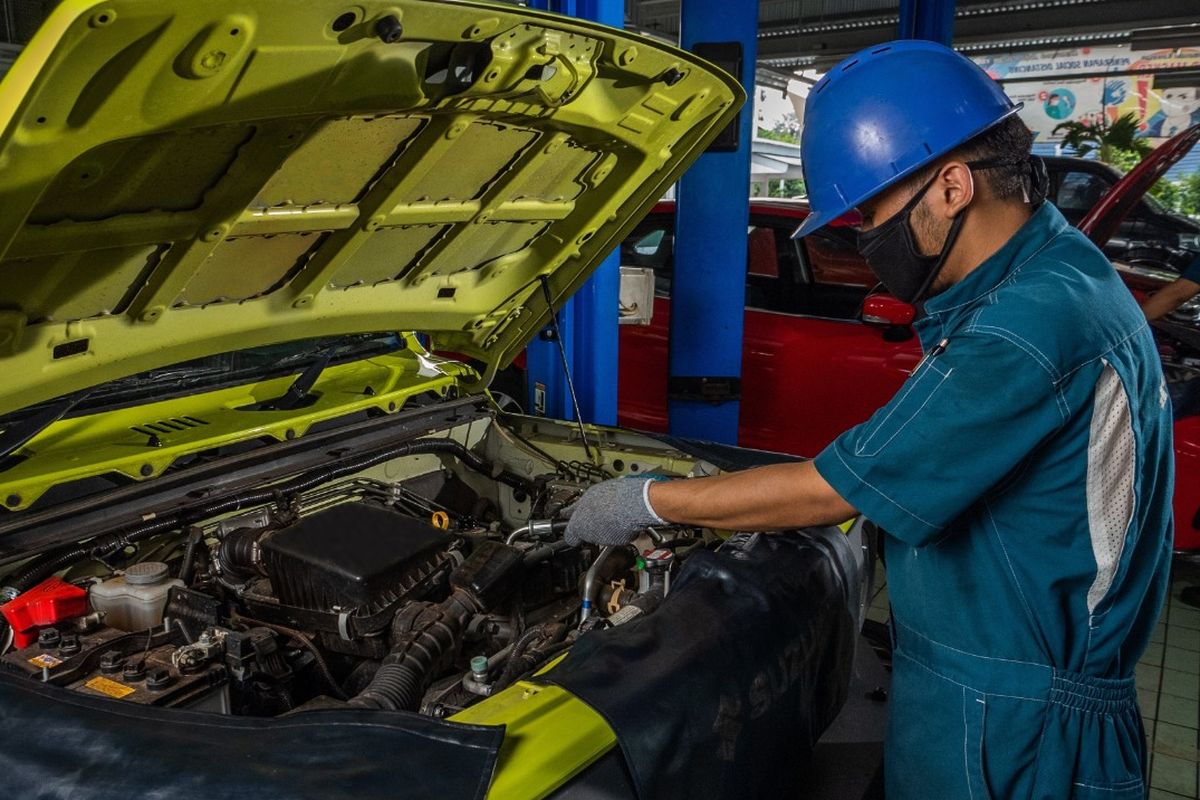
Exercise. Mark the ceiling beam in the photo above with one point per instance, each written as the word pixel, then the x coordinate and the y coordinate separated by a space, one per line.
pixel 980 26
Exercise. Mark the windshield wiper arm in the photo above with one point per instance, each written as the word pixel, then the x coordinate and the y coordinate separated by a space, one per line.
pixel 297 393
pixel 18 434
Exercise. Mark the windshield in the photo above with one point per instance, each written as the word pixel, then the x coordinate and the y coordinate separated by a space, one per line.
pixel 217 371
pixel 1155 205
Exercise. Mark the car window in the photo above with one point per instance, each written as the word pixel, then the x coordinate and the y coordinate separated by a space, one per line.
pixel 833 258
pixel 652 245
pixel 775 267
pixel 771 258
pixel 762 257
pixel 773 276
pixel 1080 191
pixel 840 277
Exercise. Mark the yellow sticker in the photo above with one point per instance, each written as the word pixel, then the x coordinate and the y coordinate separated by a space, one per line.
pixel 109 687
pixel 45 660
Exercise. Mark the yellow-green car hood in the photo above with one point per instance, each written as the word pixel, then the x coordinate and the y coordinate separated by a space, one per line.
pixel 182 178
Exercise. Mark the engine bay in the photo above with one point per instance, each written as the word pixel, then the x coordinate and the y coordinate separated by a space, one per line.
pixel 423 577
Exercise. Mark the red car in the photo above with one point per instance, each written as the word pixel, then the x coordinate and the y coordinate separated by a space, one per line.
pixel 821 353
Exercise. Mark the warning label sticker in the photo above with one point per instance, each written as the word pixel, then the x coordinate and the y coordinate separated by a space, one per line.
pixel 109 687
pixel 45 660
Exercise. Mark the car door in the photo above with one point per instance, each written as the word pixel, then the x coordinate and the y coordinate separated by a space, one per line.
pixel 812 369
pixel 642 356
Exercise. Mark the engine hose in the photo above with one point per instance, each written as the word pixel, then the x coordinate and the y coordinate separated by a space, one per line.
pixel 394 687
pixel 42 568
pixel 530 663
pixel 424 642
pixel 237 556
pixel 520 661
pixel 189 555
pixel 527 638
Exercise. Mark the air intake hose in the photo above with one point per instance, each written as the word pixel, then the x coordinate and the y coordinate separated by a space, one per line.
pixel 425 642
pixel 426 637
pixel 238 555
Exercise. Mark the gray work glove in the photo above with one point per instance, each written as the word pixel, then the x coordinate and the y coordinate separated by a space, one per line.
pixel 613 512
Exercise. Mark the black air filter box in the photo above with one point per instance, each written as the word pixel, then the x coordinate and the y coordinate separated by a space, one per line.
pixel 353 555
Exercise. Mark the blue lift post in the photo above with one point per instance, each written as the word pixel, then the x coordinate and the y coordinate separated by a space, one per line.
pixel 708 287
pixel 927 19
pixel 589 319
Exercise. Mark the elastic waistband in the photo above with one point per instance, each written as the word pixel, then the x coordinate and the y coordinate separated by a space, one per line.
pixel 1019 679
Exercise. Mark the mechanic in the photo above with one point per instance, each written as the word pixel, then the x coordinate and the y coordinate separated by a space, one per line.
pixel 1185 394
pixel 1174 294
pixel 1023 472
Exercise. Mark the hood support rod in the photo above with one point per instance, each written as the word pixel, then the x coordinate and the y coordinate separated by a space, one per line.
pixel 566 365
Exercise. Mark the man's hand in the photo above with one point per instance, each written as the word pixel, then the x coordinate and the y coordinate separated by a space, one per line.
pixel 1169 298
pixel 613 512
pixel 773 498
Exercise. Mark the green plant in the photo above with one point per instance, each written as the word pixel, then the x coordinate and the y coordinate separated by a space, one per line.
pixel 785 129
pixel 791 187
pixel 1114 142
pixel 1181 196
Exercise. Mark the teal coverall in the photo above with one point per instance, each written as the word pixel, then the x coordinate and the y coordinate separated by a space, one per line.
pixel 1024 475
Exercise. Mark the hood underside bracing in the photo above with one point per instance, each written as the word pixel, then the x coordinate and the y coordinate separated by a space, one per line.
pixel 182 179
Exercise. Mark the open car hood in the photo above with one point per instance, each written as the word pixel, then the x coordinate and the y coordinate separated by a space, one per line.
pixel 1105 218
pixel 179 179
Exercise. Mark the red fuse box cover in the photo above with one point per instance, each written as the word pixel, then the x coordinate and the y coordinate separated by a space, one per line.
pixel 50 602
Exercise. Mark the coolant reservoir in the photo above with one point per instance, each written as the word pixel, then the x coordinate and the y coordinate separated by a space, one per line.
pixel 134 601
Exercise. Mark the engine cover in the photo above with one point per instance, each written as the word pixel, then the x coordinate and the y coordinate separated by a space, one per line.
pixel 354 555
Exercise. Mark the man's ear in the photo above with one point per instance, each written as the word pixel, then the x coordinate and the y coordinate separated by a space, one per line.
pixel 953 190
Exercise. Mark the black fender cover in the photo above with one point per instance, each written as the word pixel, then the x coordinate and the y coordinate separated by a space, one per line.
pixel 725 689
pixel 56 743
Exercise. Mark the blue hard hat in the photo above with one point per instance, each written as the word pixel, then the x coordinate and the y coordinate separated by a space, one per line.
pixel 885 112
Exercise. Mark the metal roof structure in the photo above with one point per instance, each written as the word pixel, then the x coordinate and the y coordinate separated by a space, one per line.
pixel 815 34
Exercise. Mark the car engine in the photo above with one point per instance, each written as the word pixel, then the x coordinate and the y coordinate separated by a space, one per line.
pixel 424 578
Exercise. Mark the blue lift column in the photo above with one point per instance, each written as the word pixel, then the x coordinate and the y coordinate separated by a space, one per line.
pixel 927 19
pixel 588 321
pixel 708 288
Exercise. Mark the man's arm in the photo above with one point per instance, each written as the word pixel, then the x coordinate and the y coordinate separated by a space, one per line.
pixel 775 497
pixel 1169 298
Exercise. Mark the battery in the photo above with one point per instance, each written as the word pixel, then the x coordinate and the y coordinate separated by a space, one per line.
pixel 50 602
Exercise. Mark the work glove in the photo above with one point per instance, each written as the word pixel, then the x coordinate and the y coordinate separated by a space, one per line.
pixel 613 512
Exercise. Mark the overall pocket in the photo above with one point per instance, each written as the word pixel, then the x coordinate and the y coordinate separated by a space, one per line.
pixel 1091 755
pixel 1133 789
pixel 974 722
pixel 891 420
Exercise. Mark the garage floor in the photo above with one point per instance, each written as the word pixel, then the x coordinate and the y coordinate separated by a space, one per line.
pixel 1168 680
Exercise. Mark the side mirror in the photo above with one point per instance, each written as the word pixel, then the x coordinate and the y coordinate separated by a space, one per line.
pixel 892 315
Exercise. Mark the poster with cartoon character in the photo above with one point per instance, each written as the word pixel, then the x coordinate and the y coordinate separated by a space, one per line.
pixel 1178 110
pixel 1085 84
pixel 1045 105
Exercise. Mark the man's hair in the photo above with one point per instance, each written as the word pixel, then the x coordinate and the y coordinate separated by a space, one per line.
pixel 1009 143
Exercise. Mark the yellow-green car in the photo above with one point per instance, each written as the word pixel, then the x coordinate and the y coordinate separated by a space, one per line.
pixel 256 539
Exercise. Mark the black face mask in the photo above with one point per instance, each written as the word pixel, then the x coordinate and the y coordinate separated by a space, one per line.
pixel 891 251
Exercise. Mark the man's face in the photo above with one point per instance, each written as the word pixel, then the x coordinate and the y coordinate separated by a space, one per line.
pixel 1185 100
pixel 929 232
